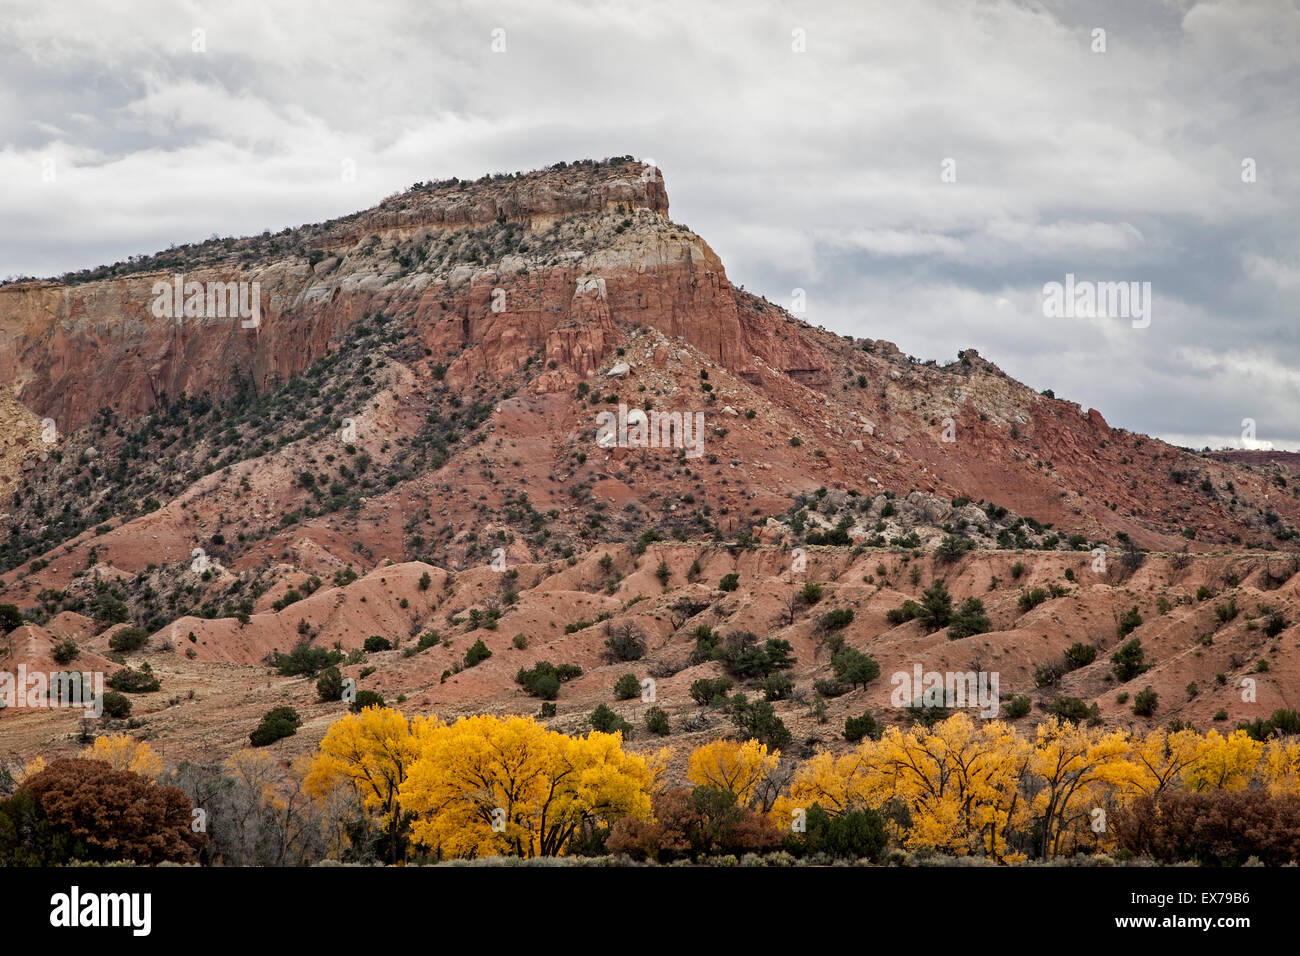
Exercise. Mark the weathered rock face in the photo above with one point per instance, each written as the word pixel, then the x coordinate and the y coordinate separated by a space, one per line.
pixel 20 442
pixel 535 200
pixel 67 351
pixel 538 281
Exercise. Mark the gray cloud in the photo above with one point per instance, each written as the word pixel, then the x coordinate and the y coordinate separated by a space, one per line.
pixel 818 170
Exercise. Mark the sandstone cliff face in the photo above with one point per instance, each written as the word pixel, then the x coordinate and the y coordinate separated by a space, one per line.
pixel 538 281
pixel 20 443
pixel 536 201
pixel 67 351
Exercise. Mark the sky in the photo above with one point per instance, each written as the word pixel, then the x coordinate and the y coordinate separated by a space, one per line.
pixel 922 171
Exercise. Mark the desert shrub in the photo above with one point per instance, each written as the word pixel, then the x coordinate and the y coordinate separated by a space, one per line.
pixel 1129 661
pixel 1031 598
pixel 656 721
pixel 1212 828
pixel 279 722
pixel 10 618
pixel 743 658
pixel 1079 655
pixel 855 728
pixel 627 687
pixel 759 721
pixel 777 687
pixel 838 619
pixel 969 620
pixel 710 690
pixel 544 678
pixel 729 582
pixel 107 609
pixel 810 593
pixel 477 653
pixel 1071 708
pixel 116 705
pixel 951 549
pixel 708 645
pixel 1227 611
pixel 830 688
pixel 375 643
pixel 65 652
pixel 128 639
pixel 1145 702
pixel 1017 706
pixel 901 615
pixel 1129 622
pixel 606 721
pixel 927 715
pixel 663 572
pixel 132 681
pixel 366 698
pixel 624 643
pixel 1047 675
pixel 854 668
pixel 306 660
pixel 329 686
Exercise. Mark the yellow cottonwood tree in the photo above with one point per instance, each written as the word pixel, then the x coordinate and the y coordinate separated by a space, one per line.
pixel 123 752
pixel 30 769
pixel 1225 763
pixel 733 766
pixel 1281 767
pixel 834 784
pixel 1161 759
pixel 1077 767
pixel 490 785
pixel 372 752
pixel 960 781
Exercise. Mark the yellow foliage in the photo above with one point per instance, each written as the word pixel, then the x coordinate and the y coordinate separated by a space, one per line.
pixel 733 766
pixel 657 763
pixel 960 779
pixel 1160 760
pixel 488 785
pixel 1281 769
pixel 834 784
pixel 1225 763
pixel 1078 767
pixel 30 769
pixel 122 752
pixel 372 752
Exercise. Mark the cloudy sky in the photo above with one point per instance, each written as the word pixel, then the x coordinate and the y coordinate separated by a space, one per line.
pixel 921 170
